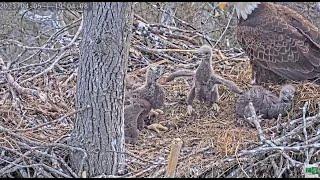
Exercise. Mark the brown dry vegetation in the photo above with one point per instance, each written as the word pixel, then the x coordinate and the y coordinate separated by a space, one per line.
pixel 34 131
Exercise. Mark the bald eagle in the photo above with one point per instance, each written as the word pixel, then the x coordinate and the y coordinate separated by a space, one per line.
pixel 281 43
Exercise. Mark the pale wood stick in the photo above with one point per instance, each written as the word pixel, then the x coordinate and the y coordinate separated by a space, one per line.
pixel 173 157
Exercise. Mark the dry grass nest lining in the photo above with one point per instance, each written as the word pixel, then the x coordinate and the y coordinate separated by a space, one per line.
pixel 207 136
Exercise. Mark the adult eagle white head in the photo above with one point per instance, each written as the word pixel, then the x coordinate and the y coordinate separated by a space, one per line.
pixel 281 43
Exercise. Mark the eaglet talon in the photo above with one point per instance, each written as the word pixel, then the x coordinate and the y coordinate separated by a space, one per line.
pixel 253 81
pixel 152 114
pixel 157 127
pixel 190 110
pixel 155 113
pixel 159 111
pixel 216 107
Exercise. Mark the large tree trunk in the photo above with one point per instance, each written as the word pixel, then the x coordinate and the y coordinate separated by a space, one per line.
pixel 100 85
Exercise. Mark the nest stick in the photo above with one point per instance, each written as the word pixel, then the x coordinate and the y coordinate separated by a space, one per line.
pixel 173 157
pixel 17 87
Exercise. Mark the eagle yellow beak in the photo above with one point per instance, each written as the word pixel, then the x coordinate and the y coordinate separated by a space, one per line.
pixel 223 5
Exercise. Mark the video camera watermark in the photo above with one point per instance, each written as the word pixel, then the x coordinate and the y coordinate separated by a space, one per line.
pixel 312 171
pixel 76 6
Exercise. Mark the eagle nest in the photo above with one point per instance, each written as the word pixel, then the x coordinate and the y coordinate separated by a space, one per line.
pixel 217 144
pixel 213 140
pixel 35 128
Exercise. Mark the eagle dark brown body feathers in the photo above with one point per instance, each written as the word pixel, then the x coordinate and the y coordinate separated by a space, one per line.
pixel 281 44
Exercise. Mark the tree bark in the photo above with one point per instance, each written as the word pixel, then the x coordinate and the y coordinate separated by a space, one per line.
pixel 100 86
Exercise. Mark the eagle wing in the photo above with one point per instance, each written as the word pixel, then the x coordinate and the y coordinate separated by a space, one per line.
pixel 280 47
pixel 296 20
